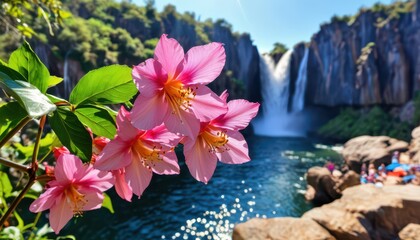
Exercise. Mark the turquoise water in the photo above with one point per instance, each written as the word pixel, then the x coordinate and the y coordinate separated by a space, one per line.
pixel 178 207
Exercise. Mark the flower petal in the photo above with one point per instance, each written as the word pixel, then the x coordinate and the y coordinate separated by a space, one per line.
pixel 126 131
pixel 94 178
pixel 121 186
pixel 207 105
pixel 239 114
pixel 238 149
pixel 138 177
pixel 66 167
pixel 149 77
pixel 116 155
pixel 186 124
pixel 60 214
pixel 224 96
pixel 148 112
pixel 162 135
pixel 200 161
pixel 46 200
pixel 169 53
pixel 93 198
pixel 203 64
pixel 168 164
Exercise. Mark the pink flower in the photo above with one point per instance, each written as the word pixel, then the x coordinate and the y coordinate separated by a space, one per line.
pixel 172 87
pixel 57 151
pixel 220 139
pixel 134 154
pixel 76 188
pixel 98 144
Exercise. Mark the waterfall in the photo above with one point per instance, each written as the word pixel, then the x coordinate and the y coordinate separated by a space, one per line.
pixel 42 53
pixel 66 77
pixel 275 119
pixel 275 81
pixel 300 86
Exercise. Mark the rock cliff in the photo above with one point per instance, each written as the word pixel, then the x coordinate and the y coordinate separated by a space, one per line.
pixel 373 58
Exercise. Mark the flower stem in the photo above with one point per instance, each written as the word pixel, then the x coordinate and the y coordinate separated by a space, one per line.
pixel 14 131
pixel 17 166
pixel 36 147
pixel 32 173
pixel 18 199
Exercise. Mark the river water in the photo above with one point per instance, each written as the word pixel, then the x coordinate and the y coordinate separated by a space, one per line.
pixel 178 207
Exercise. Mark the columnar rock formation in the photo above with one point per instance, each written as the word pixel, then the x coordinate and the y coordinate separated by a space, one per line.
pixel 366 62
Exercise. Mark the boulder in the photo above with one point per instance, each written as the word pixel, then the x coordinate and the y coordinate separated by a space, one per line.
pixel 371 149
pixel 368 212
pixel 414 148
pixel 410 232
pixel 279 229
pixel 321 180
pixel 349 179
pixel 363 212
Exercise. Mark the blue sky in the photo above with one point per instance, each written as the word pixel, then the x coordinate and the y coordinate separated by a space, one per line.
pixel 270 21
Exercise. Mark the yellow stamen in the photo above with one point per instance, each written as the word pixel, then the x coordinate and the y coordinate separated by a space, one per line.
pixel 75 199
pixel 148 154
pixel 216 140
pixel 178 96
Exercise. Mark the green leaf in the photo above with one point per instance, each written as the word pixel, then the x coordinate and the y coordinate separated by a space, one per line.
pixel 3 63
pixel 13 74
pixel 72 133
pixel 55 99
pixel 98 119
pixel 107 85
pixel 54 80
pixel 44 146
pixel 19 219
pixel 29 97
pixel 26 62
pixel 67 237
pixel 11 115
pixel 5 185
pixel 107 203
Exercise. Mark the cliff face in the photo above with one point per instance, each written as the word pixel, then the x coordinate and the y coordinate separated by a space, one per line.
pixel 345 68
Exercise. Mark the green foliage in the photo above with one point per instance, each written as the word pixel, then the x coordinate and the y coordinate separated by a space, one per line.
pixel 19 14
pixel 35 103
pixel 45 144
pixel 53 80
pixel 99 119
pixel 351 123
pixel 27 63
pixel 107 203
pixel 336 18
pixel 106 85
pixel 72 133
pixel 11 115
pixel 5 186
pixel 279 49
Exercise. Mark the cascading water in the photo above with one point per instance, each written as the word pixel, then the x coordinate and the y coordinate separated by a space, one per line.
pixel 300 86
pixel 276 120
pixel 275 81
pixel 66 77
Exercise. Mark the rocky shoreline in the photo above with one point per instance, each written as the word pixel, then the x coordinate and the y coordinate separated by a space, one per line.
pixel 351 210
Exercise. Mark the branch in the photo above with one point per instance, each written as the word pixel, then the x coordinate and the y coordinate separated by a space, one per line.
pixel 18 166
pixel 14 131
